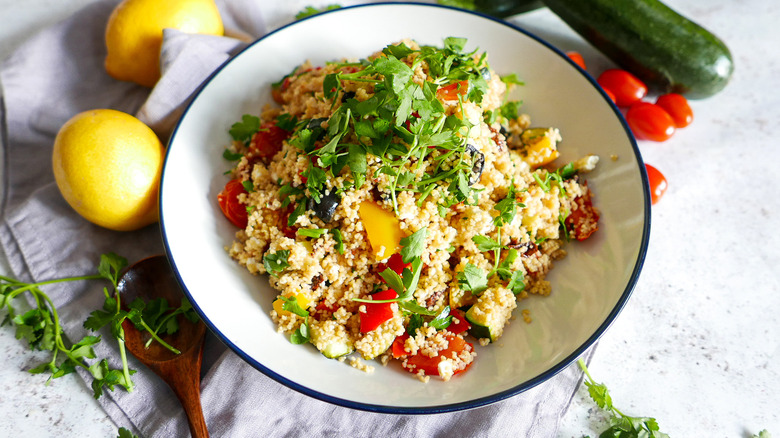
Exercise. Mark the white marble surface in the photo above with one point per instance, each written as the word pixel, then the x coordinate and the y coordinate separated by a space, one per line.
pixel 698 344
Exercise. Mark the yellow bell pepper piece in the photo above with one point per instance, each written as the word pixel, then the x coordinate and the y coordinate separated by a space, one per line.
pixel 540 146
pixel 302 300
pixel 382 227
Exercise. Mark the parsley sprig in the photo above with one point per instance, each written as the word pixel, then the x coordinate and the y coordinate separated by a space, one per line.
pixel 401 123
pixel 621 425
pixel 475 279
pixel 40 326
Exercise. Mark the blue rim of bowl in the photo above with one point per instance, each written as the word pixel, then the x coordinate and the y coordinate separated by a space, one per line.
pixel 475 403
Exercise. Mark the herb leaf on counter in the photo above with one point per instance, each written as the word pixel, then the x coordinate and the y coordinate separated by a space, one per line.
pixel 622 425
pixel 42 329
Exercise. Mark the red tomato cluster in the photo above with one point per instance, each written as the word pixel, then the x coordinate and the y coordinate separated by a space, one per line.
pixel 648 121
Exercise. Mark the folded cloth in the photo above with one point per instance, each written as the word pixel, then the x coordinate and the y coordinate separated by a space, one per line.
pixel 59 73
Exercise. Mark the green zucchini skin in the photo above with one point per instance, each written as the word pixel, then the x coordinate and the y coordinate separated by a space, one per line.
pixel 666 50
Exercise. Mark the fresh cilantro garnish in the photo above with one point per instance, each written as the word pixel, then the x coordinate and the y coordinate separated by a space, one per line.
pixel 291 305
pixel 231 156
pixel 399 124
pixel 336 233
pixel 249 186
pixel 485 243
pixel 301 335
pixel 412 246
pixel 442 320
pixel 276 262
pixel 124 433
pixel 621 425
pixel 245 129
pixel 41 328
pixel 473 278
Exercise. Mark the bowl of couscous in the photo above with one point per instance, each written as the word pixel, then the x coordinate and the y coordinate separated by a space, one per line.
pixel 427 210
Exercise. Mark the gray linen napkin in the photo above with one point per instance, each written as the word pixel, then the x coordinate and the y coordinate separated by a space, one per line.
pixel 59 73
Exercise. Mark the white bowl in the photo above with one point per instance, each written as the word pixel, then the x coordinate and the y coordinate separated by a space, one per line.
pixel 590 286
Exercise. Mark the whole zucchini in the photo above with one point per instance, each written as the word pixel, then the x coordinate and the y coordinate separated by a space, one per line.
pixel 668 51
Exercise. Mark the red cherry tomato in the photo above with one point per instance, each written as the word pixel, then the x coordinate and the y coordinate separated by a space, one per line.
pixel 657 181
pixel 378 313
pixel 228 203
pixel 611 95
pixel 626 88
pixel 577 58
pixel 451 91
pixel 677 107
pixel 267 141
pixel 650 121
pixel 431 364
pixel 584 220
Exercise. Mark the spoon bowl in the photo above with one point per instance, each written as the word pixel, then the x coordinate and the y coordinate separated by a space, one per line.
pixel 152 278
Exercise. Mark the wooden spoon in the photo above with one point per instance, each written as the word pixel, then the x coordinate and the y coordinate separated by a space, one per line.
pixel 153 278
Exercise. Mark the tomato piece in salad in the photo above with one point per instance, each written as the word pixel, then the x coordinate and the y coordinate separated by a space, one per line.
pixel 433 366
pixel 228 201
pixel 267 141
pixel 452 91
pixel 583 219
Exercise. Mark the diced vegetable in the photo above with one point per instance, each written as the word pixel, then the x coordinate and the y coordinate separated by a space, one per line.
pixel 330 338
pixel 433 365
pixel 382 227
pixel 491 313
pixel 577 58
pixel 540 146
pixel 301 299
pixel 584 218
pixel 377 313
pixel 452 91
pixel 267 141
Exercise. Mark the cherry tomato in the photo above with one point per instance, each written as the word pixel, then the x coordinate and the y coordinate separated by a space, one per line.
pixel 267 141
pixel 657 181
pixel 583 220
pixel 228 203
pixel 677 107
pixel 451 91
pixel 650 121
pixel 577 58
pixel 626 88
pixel 377 313
pixel 610 94
pixel 431 364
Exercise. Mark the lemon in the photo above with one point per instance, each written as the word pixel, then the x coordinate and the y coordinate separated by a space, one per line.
pixel 135 29
pixel 107 165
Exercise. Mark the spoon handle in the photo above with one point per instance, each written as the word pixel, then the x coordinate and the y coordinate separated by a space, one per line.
pixel 184 380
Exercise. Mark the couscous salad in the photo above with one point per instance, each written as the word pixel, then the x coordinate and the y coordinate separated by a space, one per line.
pixel 401 205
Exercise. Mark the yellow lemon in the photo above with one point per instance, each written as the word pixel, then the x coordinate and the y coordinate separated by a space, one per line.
pixel 107 165
pixel 135 29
